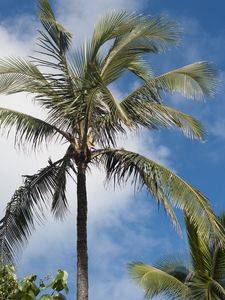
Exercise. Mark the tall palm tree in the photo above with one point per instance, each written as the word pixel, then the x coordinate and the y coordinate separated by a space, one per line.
pixel 203 278
pixel 82 112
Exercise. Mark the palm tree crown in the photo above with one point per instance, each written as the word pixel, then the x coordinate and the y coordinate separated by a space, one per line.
pixel 73 88
pixel 202 279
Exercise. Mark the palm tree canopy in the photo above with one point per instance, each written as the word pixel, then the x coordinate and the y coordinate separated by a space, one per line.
pixel 73 87
pixel 203 278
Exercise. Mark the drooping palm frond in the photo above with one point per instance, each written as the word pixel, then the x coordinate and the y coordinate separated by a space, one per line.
pixel 204 277
pixel 157 282
pixel 28 129
pixel 199 248
pixel 150 34
pixel 20 75
pixel 59 205
pixel 154 115
pixel 218 257
pixel 177 265
pixel 192 81
pixel 122 165
pixel 25 207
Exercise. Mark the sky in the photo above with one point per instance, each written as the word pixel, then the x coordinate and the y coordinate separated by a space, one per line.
pixel 123 225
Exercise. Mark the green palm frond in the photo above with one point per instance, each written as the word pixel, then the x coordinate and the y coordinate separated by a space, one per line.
pixel 28 129
pixel 122 165
pixel 199 248
pixel 157 282
pixel 154 115
pixel 59 39
pixel 204 287
pixel 176 265
pixel 141 68
pixel 59 205
pixel 218 264
pixel 218 257
pixel 192 81
pixel 25 207
pixel 20 75
pixel 218 290
pixel 109 102
pixel 110 26
pixel 150 34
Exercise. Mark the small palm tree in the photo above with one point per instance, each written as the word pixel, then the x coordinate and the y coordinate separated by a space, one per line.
pixel 73 88
pixel 202 279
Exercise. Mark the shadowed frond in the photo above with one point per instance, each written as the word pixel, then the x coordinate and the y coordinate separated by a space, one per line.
pixel 59 203
pixel 176 266
pixel 121 165
pixel 156 282
pixel 25 207
pixel 218 257
pixel 199 248
pixel 203 286
pixel 28 129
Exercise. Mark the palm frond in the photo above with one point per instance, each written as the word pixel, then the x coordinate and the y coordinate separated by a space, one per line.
pixel 192 81
pixel 59 38
pixel 149 34
pixel 59 205
pixel 24 208
pixel 152 114
pixel 199 248
pixel 28 129
pixel 218 257
pixel 157 282
pixel 203 286
pixel 218 290
pixel 141 68
pixel 176 266
pixel 121 165
pixel 114 109
pixel 20 75
pixel 110 26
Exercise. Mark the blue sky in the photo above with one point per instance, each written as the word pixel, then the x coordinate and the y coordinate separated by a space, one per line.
pixel 122 227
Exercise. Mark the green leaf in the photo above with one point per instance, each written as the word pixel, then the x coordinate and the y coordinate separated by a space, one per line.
pixel 192 81
pixel 47 297
pixel 24 208
pixel 147 34
pixel 28 129
pixel 122 165
pixel 156 282
pixel 60 281
pixel 59 297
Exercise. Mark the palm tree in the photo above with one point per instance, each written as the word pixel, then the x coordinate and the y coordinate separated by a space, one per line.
pixel 73 88
pixel 203 278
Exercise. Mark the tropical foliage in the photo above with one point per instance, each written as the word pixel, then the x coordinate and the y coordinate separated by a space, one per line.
pixel 27 289
pixel 203 278
pixel 83 114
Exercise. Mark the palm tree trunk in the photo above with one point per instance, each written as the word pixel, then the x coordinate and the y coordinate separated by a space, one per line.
pixel 82 255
